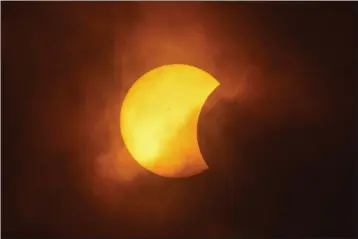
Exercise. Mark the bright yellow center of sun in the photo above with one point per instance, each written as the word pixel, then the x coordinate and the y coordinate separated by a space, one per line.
pixel 159 118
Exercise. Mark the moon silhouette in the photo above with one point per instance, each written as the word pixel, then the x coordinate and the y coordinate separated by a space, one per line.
pixel 159 119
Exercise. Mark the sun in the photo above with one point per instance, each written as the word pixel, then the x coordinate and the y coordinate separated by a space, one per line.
pixel 159 117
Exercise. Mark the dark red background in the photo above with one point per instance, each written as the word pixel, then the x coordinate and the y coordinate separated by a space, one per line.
pixel 283 160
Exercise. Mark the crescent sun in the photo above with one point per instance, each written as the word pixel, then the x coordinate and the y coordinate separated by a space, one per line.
pixel 159 118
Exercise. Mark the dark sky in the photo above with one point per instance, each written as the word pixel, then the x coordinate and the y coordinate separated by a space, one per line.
pixel 279 134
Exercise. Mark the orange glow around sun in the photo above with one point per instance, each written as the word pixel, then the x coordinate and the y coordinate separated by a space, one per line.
pixel 159 118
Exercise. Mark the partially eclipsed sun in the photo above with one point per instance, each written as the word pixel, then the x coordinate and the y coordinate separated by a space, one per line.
pixel 159 118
